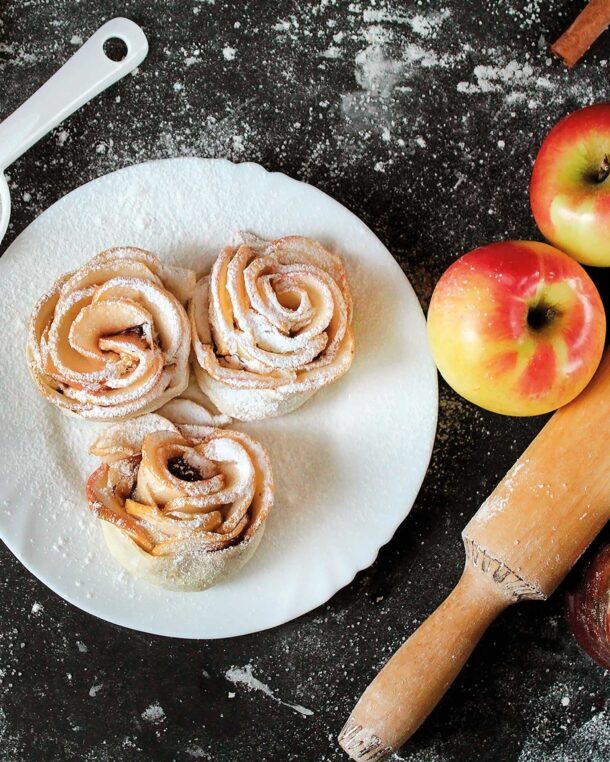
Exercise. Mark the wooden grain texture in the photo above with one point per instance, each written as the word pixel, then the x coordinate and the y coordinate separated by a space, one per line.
pixel 519 545
pixel 556 498
pixel 579 37
pixel 415 679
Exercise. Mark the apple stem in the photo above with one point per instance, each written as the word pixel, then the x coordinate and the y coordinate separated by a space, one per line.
pixel 604 169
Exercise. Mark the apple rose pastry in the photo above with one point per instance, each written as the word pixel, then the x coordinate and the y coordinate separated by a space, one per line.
pixel 182 512
pixel 112 339
pixel 271 325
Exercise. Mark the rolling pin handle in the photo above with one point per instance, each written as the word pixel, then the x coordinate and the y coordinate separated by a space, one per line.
pixel 414 680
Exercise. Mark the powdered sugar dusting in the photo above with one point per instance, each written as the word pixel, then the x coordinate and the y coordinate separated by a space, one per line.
pixel 131 379
pixel 210 201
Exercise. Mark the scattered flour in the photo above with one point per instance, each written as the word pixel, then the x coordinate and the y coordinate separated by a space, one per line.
pixel 384 62
pixel 196 752
pixel 513 76
pixel 495 504
pixel 427 26
pixel 422 25
pixel 590 741
pixel 154 713
pixel 10 742
pixel 243 676
pixel 332 52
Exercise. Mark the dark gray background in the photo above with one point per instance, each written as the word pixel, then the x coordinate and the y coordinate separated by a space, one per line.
pixel 424 119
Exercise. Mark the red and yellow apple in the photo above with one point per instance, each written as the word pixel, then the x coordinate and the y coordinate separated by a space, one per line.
pixel 588 606
pixel 570 186
pixel 517 327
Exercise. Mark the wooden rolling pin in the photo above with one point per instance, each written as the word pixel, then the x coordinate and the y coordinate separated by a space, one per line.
pixel 519 545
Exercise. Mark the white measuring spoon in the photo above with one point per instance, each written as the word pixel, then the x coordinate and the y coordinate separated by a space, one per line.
pixel 81 78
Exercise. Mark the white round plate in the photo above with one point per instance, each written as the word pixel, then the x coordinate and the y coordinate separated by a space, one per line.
pixel 347 466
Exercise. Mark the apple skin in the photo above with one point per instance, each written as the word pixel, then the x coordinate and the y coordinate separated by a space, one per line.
pixel 570 202
pixel 517 327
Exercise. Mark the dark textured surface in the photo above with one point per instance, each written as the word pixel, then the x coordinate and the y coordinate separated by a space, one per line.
pixel 381 105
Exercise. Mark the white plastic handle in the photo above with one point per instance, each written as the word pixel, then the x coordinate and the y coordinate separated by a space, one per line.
pixel 81 78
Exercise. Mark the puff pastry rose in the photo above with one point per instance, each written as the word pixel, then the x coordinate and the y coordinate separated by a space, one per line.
pixel 112 339
pixel 180 511
pixel 271 325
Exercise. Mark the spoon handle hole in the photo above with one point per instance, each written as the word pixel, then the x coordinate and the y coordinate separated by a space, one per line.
pixel 115 49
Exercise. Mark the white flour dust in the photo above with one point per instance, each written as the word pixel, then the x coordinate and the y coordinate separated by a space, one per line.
pixel 554 735
pixel 154 713
pixel 496 504
pixel 513 76
pixel 243 676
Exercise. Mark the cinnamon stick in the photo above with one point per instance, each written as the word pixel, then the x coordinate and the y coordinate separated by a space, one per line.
pixel 579 37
